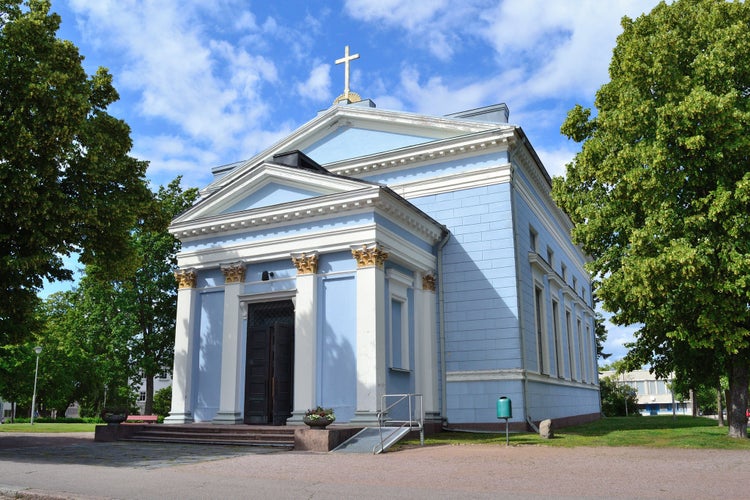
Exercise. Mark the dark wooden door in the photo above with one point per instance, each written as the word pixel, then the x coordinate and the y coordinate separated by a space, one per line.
pixel 282 372
pixel 269 363
pixel 258 376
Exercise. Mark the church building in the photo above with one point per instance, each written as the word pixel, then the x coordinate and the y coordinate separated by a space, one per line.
pixel 375 252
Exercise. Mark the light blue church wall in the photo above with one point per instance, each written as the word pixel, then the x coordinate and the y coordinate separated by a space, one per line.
pixel 207 375
pixel 557 363
pixel 480 305
pixel 553 399
pixel 547 400
pixel 351 142
pixel 337 347
pixel 470 402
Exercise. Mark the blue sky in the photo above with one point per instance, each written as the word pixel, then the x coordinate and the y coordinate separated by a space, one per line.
pixel 208 83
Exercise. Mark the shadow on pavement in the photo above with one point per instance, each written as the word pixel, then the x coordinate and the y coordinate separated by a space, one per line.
pixel 83 450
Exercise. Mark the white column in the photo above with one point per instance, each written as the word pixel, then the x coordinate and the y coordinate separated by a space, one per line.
pixel 371 362
pixel 230 399
pixel 184 344
pixel 426 346
pixel 305 335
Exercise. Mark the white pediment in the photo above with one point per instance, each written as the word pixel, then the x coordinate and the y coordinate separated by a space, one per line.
pixel 267 185
pixel 347 131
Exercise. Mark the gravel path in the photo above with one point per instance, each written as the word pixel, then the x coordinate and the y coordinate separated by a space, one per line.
pixel 73 466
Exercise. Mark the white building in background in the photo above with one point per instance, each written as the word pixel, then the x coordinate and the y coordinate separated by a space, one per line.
pixel 161 381
pixel 655 396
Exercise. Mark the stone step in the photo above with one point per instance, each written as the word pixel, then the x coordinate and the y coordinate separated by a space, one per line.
pixel 215 434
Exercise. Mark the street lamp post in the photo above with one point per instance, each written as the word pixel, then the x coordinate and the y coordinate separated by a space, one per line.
pixel 38 351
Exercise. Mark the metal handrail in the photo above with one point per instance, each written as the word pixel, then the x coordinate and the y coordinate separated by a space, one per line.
pixel 414 421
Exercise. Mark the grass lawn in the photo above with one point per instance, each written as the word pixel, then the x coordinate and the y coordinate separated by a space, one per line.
pixel 41 428
pixel 652 432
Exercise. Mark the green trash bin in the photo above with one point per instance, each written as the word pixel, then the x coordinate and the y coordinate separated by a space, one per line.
pixel 504 408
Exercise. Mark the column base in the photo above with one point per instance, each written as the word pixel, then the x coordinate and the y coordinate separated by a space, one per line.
pixel 365 419
pixel 227 418
pixel 296 418
pixel 179 418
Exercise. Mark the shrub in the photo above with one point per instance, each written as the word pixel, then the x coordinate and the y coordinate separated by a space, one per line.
pixel 163 401
pixel 614 398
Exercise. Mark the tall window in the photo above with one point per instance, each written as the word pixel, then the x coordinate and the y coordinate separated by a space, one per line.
pixel 581 353
pixel 532 238
pixel 540 337
pixel 571 345
pixel 398 335
pixel 558 339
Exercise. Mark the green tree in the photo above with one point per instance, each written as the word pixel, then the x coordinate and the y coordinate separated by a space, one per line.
pixel 148 297
pixel 618 400
pixel 67 183
pixel 660 191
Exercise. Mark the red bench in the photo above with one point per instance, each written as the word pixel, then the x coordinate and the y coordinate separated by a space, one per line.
pixel 148 419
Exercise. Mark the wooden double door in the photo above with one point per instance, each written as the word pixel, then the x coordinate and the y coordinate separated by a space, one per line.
pixel 269 368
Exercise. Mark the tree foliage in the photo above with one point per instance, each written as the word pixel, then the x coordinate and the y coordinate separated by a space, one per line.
pixel 101 336
pixel 618 400
pixel 660 191
pixel 67 183
pixel 148 297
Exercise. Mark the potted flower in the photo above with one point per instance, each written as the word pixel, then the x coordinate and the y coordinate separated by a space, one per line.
pixel 319 417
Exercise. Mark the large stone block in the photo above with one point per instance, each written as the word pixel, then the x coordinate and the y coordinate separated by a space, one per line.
pixel 546 430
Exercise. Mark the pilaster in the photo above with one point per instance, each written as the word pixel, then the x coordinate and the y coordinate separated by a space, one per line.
pixel 230 399
pixel 371 331
pixel 426 345
pixel 305 334
pixel 182 372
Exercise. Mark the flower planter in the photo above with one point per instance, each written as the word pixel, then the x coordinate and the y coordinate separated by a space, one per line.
pixel 317 423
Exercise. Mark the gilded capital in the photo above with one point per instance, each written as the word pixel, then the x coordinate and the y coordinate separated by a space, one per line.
pixel 306 263
pixel 428 282
pixel 369 255
pixel 234 272
pixel 186 278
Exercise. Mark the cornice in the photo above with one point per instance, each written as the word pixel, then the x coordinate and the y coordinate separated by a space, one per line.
pixel 322 207
pixel 498 139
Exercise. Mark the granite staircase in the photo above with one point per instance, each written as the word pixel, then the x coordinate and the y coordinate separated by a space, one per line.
pixel 236 435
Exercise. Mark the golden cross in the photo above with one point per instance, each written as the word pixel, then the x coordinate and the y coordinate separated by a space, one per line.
pixel 346 60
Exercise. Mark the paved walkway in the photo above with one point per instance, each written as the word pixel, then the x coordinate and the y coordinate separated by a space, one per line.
pixel 74 466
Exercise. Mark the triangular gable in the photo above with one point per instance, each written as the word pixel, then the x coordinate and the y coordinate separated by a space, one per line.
pixel 271 193
pixel 354 131
pixel 268 184
pixel 351 142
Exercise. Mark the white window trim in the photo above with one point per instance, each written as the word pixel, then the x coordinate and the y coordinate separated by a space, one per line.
pixel 398 286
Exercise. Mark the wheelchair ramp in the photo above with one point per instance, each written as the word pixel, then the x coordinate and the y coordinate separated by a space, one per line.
pixel 368 440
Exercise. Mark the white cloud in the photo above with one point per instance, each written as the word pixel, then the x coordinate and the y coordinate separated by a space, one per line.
pixel 318 85
pixel 554 160
pixel 207 87
pixel 564 46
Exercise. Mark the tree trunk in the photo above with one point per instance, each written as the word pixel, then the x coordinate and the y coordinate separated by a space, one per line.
pixel 148 409
pixel 719 408
pixel 693 403
pixel 737 406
